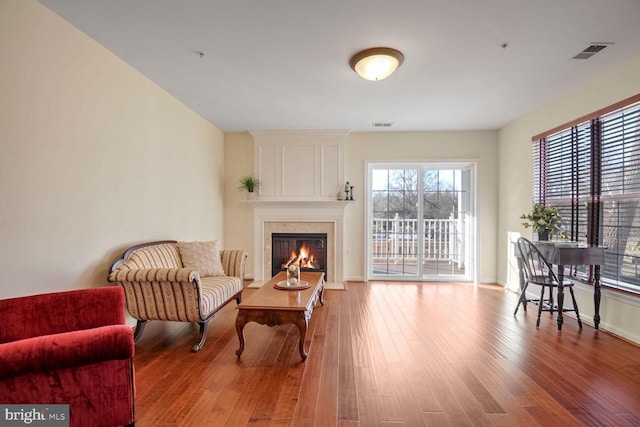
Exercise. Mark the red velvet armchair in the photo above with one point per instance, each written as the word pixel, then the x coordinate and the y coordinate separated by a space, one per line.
pixel 69 348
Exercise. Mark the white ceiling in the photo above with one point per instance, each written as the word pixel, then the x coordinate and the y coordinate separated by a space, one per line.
pixel 284 64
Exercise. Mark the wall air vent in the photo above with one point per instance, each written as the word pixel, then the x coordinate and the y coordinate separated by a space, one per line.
pixel 382 124
pixel 591 50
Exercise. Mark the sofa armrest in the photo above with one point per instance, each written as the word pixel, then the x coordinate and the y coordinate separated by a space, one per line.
pixel 234 262
pixel 155 275
pixel 161 293
pixel 66 350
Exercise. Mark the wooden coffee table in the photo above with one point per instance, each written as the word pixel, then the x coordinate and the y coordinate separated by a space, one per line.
pixel 271 307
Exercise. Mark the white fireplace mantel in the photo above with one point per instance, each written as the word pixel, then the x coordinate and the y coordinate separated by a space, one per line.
pixel 300 173
pixel 291 211
pixel 337 205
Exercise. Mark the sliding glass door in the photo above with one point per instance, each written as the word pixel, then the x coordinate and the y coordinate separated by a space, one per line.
pixel 419 219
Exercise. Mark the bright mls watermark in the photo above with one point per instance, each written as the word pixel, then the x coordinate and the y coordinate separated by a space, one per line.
pixel 34 415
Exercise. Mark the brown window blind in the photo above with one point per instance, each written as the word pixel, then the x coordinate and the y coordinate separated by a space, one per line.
pixel 619 227
pixel 590 170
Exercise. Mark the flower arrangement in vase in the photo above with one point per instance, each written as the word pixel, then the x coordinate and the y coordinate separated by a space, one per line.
pixel 545 220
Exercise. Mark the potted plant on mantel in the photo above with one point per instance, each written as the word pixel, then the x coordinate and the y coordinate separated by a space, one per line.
pixel 250 184
pixel 545 220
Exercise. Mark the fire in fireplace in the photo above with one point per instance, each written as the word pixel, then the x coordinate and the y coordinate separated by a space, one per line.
pixel 308 250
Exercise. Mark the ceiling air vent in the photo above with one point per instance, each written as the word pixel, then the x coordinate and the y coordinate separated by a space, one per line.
pixel 591 50
pixel 382 124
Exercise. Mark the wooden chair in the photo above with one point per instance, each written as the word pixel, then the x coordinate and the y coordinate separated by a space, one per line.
pixel 539 271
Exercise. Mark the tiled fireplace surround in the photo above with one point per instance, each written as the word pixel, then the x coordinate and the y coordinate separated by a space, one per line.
pixel 298 217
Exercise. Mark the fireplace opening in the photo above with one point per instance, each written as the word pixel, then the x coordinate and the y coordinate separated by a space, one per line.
pixel 309 250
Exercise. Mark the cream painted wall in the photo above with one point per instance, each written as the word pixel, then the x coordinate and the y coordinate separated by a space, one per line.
pixel 480 146
pixel 619 312
pixel 94 157
pixel 238 215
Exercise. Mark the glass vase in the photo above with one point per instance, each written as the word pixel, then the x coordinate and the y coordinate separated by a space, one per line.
pixel 293 275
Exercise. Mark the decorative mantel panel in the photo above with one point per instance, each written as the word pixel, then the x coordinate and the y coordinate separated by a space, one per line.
pixel 299 165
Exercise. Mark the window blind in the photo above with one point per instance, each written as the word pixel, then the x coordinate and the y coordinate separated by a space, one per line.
pixel 619 228
pixel 590 171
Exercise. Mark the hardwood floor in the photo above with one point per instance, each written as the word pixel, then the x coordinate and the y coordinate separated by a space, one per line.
pixel 391 354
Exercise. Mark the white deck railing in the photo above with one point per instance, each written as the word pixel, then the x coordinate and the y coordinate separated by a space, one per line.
pixel 397 240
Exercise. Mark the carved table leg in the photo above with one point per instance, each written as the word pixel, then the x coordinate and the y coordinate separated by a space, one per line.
pixel 241 320
pixel 596 296
pixel 302 322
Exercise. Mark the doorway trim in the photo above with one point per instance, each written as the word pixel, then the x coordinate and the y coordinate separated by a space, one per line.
pixel 471 245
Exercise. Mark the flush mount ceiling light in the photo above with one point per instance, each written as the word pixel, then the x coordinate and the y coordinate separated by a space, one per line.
pixel 376 63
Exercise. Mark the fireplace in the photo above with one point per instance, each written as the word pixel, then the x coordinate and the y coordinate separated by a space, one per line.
pixel 298 217
pixel 300 172
pixel 308 250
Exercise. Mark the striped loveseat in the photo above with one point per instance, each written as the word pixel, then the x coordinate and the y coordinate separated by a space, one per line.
pixel 160 285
